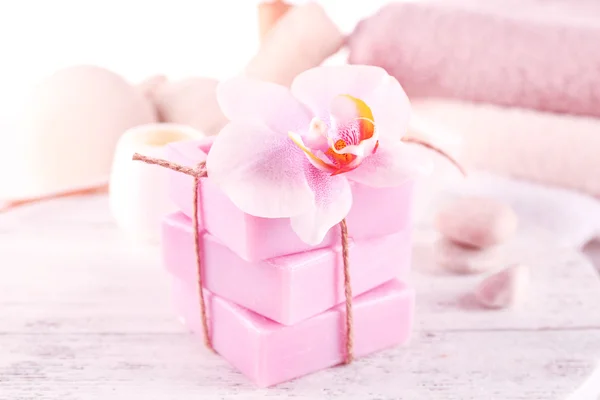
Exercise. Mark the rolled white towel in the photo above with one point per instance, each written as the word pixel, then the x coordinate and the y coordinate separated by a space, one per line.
pixel 554 149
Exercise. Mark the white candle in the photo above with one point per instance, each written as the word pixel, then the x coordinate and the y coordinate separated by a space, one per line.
pixel 139 197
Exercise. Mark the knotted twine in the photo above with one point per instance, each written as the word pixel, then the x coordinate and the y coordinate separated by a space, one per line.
pixel 200 172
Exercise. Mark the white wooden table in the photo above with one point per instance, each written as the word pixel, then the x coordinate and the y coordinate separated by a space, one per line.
pixel 84 314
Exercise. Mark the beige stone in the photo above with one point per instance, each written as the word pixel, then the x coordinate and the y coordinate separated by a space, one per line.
pixel 505 288
pixel 461 259
pixel 477 222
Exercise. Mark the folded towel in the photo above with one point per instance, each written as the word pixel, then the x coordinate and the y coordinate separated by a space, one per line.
pixel 535 54
pixel 548 148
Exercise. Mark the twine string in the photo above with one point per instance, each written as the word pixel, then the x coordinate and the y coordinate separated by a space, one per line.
pixel 12 204
pixel 429 146
pixel 200 172
pixel 347 294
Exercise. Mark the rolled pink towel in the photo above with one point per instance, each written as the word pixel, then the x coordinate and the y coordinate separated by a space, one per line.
pixel 555 149
pixel 543 55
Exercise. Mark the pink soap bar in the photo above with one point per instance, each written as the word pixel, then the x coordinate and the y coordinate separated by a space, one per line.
pixel 287 289
pixel 270 353
pixel 375 212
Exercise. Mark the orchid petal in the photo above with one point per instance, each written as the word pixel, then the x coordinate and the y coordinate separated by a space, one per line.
pixel 393 163
pixel 260 171
pixel 391 109
pixel 258 102
pixel 318 87
pixel 314 159
pixel 333 199
pixel 383 94
pixel 352 112
pixel 365 148
pixel 316 137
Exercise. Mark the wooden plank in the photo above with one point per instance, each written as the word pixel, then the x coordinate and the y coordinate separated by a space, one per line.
pixel 592 250
pixel 445 366
pixel 565 289
pixel 79 250
pixel 84 314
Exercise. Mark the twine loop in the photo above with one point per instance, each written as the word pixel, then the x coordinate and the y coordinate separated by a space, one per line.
pixel 200 172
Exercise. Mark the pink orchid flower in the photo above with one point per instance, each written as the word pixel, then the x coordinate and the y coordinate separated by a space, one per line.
pixel 293 152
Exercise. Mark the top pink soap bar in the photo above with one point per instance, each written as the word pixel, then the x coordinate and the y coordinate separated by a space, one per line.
pixel 375 212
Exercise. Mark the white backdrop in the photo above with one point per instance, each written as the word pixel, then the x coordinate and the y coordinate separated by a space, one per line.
pixel 135 38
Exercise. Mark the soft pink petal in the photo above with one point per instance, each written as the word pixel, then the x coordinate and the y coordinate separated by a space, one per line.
pixel 333 200
pixel 393 163
pixel 316 159
pixel 258 102
pixel 318 87
pixel 343 110
pixel 260 171
pixel 391 109
pixel 363 149
pixel 316 136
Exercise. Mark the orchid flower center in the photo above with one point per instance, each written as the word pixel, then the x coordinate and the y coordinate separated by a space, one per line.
pixel 342 141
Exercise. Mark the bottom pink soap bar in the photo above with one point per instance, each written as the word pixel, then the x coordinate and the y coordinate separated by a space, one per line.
pixel 270 353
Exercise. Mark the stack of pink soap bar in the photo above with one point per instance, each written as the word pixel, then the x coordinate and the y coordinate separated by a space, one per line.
pixel 275 304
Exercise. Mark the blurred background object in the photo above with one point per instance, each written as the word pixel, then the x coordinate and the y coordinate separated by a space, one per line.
pixel 555 149
pixel 532 54
pixel 126 44
pixel 506 87
pixel 516 80
pixel 269 12
pixel 51 120
pixel 290 48
pixel 191 101
pixel 67 131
